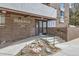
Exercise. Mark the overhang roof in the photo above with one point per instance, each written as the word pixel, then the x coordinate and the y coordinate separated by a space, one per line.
pixel 34 9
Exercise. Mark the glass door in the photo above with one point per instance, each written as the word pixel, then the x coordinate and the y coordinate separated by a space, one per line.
pixel 40 27
pixel 44 28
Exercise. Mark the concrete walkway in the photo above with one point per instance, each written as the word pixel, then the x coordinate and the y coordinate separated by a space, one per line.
pixel 70 48
pixel 16 47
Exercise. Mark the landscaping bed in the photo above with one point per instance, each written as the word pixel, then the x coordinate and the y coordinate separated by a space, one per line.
pixel 38 48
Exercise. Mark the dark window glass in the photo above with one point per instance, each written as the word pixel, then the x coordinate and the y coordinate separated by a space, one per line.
pixel 61 13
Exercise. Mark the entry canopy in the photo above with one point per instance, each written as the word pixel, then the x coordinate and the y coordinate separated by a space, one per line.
pixel 35 8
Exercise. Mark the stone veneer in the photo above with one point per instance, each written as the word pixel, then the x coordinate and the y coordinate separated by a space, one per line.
pixel 58 31
pixel 13 31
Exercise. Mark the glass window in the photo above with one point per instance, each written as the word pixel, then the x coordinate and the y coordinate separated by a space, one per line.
pixel 62 5
pixel 44 24
pixel 61 13
pixel 40 24
pixel 2 20
pixel 61 16
pixel 51 23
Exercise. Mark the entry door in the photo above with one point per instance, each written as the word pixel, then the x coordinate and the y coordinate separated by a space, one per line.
pixel 42 27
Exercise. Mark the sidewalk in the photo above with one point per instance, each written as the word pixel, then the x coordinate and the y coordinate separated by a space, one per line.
pixel 70 48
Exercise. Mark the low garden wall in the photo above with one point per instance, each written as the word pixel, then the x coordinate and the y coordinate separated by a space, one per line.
pixel 61 32
pixel 73 32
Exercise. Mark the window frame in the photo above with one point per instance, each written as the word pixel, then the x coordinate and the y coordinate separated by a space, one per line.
pixel 51 23
pixel 2 19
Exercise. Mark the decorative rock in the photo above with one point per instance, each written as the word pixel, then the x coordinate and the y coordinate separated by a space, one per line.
pixel 48 50
pixel 3 42
pixel 36 50
pixel 40 44
pixel 40 47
